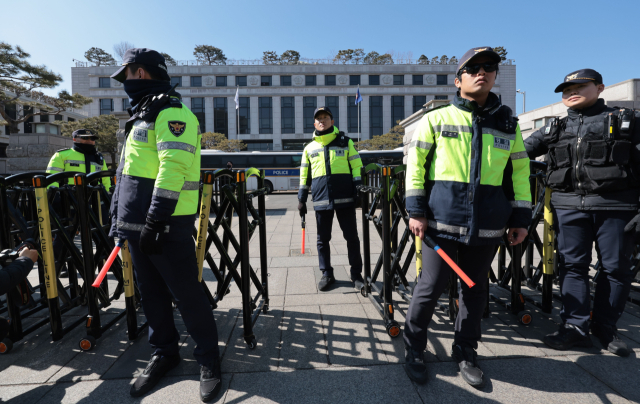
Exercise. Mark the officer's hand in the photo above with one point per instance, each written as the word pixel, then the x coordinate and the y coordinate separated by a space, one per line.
pixel 633 227
pixel 516 235
pixel 418 226
pixel 302 208
pixel 31 254
pixel 152 236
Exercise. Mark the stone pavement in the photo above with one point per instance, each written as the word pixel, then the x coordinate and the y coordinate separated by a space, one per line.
pixel 323 347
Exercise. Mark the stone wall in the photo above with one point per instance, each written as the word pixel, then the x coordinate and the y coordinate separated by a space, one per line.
pixel 32 152
pixel 3 165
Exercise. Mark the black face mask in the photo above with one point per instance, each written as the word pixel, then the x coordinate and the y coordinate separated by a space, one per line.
pixel 138 89
pixel 85 148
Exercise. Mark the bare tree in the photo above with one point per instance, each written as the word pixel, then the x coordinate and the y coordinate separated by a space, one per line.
pixel 121 48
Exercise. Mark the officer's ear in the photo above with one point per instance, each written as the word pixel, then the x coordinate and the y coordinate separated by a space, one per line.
pixel 458 81
pixel 600 88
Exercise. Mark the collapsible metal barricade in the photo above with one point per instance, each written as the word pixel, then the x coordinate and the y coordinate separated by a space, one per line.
pixel 233 196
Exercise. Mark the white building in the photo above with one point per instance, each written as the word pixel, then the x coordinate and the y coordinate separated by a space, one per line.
pixel 277 101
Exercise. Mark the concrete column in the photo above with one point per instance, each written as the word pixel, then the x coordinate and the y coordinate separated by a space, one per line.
pixel 408 105
pixel 253 103
pixel 364 79
pixel 186 81
pixel 231 118
pixel 208 114
pixel 344 126
pixel 321 101
pixel 364 118
pixel 320 81
pixel 299 117
pixel 386 113
pixel 275 80
pixel 408 79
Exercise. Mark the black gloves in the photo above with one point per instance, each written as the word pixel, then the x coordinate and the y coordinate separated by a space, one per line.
pixel 634 227
pixel 302 208
pixel 152 236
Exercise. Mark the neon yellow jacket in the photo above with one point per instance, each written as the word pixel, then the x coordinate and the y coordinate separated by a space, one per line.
pixel 76 160
pixel 333 164
pixel 468 172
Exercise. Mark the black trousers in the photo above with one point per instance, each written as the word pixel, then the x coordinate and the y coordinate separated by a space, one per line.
pixel 174 274
pixel 349 226
pixel 576 232
pixel 475 261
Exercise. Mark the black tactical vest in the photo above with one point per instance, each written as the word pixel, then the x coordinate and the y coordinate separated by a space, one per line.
pixel 590 154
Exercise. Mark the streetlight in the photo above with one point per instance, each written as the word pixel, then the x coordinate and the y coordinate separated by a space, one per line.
pixel 524 99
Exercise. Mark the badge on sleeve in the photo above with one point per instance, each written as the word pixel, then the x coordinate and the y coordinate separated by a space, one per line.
pixel 177 128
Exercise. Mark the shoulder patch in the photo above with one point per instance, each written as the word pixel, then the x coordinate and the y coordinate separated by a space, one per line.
pixel 177 128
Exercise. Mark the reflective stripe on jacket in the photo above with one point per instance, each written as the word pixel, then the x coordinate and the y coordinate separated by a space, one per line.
pixel 332 163
pixel 468 172
pixel 66 160
pixel 159 172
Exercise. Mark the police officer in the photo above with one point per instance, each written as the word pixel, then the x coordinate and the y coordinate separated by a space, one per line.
pixel 333 164
pixel 82 158
pixel 594 162
pixel 154 207
pixel 467 183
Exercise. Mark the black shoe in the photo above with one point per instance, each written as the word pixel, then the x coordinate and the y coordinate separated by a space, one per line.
pixel 567 337
pixel 358 283
pixel 326 281
pixel 210 382
pixel 466 357
pixel 608 337
pixel 158 366
pixel 415 366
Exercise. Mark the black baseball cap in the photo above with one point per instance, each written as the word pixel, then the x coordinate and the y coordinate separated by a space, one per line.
pixel 322 109
pixel 83 133
pixel 580 76
pixel 153 62
pixel 474 52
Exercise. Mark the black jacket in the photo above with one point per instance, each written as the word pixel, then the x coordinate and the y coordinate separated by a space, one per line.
pixel 14 273
pixel 586 171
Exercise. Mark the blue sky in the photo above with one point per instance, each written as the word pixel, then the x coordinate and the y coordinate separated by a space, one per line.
pixel 547 39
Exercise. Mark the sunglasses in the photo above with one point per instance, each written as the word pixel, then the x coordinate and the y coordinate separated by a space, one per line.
pixel 475 68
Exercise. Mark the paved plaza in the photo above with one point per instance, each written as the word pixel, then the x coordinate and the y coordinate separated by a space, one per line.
pixel 323 347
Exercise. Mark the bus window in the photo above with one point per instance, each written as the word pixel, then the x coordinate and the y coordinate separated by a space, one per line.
pixel 296 160
pixel 261 161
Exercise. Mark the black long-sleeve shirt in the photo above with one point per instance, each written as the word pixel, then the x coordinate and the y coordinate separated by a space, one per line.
pixel 14 273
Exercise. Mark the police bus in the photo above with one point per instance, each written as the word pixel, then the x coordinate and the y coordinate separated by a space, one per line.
pixel 282 169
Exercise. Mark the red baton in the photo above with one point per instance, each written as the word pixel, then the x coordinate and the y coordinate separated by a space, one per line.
pixel 449 261
pixel 107 265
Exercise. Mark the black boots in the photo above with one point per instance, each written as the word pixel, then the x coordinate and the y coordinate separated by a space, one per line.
pixel 415 367
pixel 466 357
pixel 210 381
pixel 158 366
pixel 567 337
pixel 608 337
pixel 326 281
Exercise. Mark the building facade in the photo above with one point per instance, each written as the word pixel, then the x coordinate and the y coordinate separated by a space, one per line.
pixel 625 94
pixel 276 102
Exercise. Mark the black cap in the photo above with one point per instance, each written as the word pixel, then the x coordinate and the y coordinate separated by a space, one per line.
pixel 473 52
pixel 82 133
pixel 580 76
pixel 152 61
pixel 322 109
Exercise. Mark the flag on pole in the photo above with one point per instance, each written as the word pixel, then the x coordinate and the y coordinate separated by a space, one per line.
pixel 358 96
pixel 237 99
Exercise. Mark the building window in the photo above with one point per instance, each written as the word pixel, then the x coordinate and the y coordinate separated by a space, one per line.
pixel 418 79
pixel 106 106
pixel 309 106
pixel 221 81
pixel 538 123
pixel 294 144
pixel 265 112
pixel 265 81
pixel 374 79
pixel 288 115
pixel 70 120
pixel 241 81
pixel 418 102
pixel 220 116
pixel 10 110
pixel 197 107
pixel 442 97
pixel 330 80
pixel 442 80
pixel 259 145
pixel 58 117
pixel 196 81
pixel 354 80
pixel 28 127
pixel 375 116
pixel 352 114
pixel 285 81
pixel 398 80
pixel 44 118
pixel 105 82
pixel 243 115
pixel 334 105
pixel 397 109
pixel 176 80
pixel 310 80
pixel 125 104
